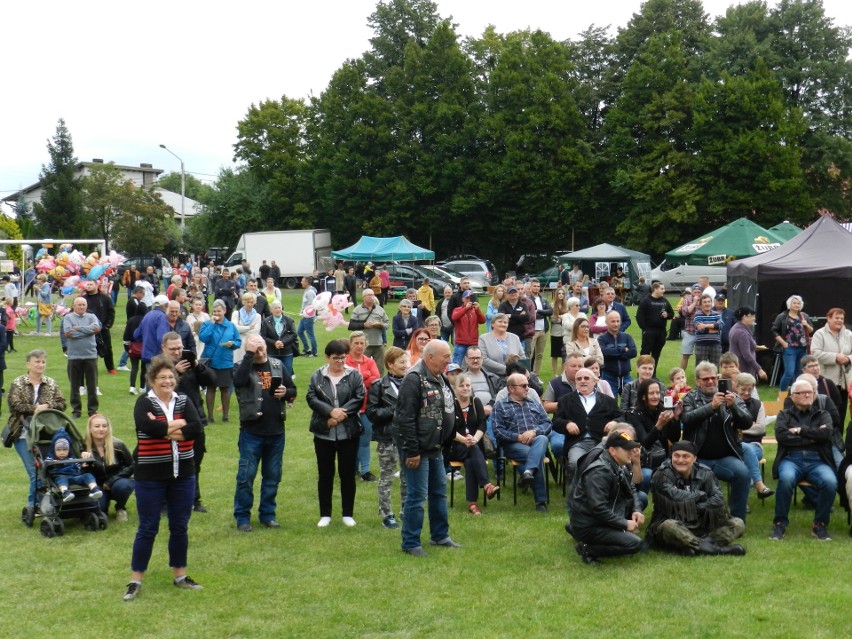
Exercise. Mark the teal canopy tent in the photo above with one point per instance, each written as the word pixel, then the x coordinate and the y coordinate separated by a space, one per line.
pixel 380 249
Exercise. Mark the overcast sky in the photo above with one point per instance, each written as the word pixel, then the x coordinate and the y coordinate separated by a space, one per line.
pixel 128 76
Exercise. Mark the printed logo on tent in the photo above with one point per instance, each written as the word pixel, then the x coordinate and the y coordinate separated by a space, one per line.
pixel 694 246
pixel 715 260
pixel 763 247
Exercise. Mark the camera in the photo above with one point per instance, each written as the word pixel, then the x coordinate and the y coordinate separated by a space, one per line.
pixel 668 402
pixel 474 298
pixel 724 386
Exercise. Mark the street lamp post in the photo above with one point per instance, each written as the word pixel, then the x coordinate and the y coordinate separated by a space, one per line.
pixel 182 187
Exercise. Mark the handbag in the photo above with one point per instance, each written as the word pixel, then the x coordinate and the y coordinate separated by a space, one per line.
pixel 12 430
pixel 45 309
pixel 489 448
pixel 135 350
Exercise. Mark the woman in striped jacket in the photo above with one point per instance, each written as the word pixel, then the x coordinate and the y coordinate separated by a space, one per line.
pixel 167 423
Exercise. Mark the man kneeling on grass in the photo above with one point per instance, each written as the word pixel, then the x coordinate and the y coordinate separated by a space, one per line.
pixel 689 510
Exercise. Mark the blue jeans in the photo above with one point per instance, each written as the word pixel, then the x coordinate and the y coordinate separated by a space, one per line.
pixel 734 471
pixel 29 465
pixel 428 480
pixel 791 357
pixel 83 479
pixel 557 444
pixel 119 492
pixel 363 464
pixel 531 458
pixel 177 494
pixel 617 383
pixel 267 451
pixel 459 351
pixel 799 465
pixel 305 331
pixel 752 452
pixel 286 362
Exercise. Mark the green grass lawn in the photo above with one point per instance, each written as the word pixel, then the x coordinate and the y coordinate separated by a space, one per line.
pixel 517 575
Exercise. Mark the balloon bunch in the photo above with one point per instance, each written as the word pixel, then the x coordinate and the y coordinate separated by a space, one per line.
pixel 328 308
pixel 70 268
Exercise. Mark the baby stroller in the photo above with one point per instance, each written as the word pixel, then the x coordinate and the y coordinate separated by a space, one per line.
pixel 49 504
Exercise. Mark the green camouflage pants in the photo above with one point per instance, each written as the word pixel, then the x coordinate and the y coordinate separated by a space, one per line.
pixel 674 534
pixel 388 465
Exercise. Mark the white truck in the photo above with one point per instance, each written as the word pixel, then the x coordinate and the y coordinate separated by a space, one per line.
pixel 296 253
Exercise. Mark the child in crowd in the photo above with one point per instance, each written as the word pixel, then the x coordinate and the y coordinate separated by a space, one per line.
pixel 678 386
pixel 67 474
pixel 11 325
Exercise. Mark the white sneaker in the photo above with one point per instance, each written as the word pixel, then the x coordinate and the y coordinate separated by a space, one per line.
pixel 82 390
pixel 133 390
pixel 121 515
pixel 123 368
pixel 349 522
pixel 324 522
pixel 98 390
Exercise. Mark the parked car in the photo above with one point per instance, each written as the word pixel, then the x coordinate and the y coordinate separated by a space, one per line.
pixel 482 270
pixel 679 276
pixel 411 276
pixel 455 277
pixel 549 278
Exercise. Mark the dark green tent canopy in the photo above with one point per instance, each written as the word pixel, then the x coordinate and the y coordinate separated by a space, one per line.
pixel 739 239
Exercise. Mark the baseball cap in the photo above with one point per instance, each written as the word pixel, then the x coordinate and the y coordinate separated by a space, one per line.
pixel 512 289
pixel 621 440
pixel 453 367
pixel 161 300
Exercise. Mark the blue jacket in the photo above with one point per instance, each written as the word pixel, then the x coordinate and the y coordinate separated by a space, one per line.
pixel 154 325
pixel 617 350
pixel 214 335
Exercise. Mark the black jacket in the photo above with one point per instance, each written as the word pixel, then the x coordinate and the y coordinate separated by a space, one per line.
pixel 381 404
pixel 350 397
pixel 604 495
pixel 649 314
pixel 545 313
pixel 696 416
pixel 421 424
pixel 101 306
pixel 816 435
pixel 190 383
pixel 570 409
pixel 518 316
pixel 270 336
pixel 107 474
pixel 697 503
pixel 249 391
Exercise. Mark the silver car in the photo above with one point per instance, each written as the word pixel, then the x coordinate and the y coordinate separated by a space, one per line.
pixel 482 270
pixel 476 285
pixel 678 276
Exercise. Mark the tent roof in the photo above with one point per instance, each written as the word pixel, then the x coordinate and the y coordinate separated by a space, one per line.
pixel 786 230
pixel 824 249
pixel 740 238
pixel 383 248
pixel 607 252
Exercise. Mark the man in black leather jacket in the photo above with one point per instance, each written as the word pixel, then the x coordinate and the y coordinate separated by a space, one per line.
pixel 606 511
pixel 711 420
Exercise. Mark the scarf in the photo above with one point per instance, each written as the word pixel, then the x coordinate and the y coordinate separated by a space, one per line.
pixel 246 318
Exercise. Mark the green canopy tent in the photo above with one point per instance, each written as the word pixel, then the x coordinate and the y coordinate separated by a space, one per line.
pixel 739 239
pixel 786 230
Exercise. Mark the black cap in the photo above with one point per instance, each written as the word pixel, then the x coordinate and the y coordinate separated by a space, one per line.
pixel 622 440
pixel 721 296
pixel 686 446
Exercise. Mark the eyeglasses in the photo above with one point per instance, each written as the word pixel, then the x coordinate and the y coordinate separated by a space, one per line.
pixel 583 379
pixel 424 339
pixel 339 358
pixel 803 393
pixel 474 359
pixel 520 385
pixel 708 379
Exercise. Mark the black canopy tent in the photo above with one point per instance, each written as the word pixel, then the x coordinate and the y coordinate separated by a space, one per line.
pixel 816 264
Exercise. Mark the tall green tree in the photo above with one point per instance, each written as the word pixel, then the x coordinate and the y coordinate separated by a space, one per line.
pixel 104 196
pixel 194 188
pixel 271 141
pixel 9 230
pixel 239 204
pixel 60 212
pixel 145 224
pixel 395 23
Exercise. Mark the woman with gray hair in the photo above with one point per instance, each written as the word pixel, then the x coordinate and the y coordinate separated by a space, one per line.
pixel 792 332
pixel 404 324
pixel 498 344
pixel 221 339
pixel 279 333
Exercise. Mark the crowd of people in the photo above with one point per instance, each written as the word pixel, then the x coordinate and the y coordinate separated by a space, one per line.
pixel 436 394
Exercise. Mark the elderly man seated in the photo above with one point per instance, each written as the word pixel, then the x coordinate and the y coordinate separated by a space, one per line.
pixel 711 420
pixel 689 511
pixel 521 427
pixel 804 434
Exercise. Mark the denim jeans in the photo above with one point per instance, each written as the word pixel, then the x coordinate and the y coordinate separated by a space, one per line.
pixel 791 357
pixel 305 331
pixel 799 465
pixel 119 492
pixel 616 383
pixel 459 351
pixel 363 464
pixel 531 458
pixel 29 465
pixel 427 481
pixel 557 444
pixel 83 479
pixel 286 362
pixel 734 471
pixel 177 494
pixel 122 361
pixel 752 452
pixel 266 451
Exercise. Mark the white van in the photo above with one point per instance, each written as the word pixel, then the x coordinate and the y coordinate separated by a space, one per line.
pixel 679 276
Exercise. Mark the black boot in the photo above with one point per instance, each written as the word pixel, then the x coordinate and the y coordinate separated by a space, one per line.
pixel 707 547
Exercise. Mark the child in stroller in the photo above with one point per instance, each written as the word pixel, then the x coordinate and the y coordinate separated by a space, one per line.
pixel 70 473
